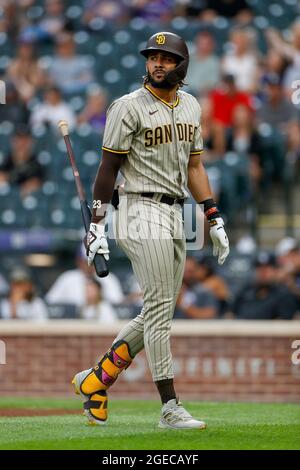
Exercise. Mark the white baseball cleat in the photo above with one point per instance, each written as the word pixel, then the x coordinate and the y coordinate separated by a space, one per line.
pixel 77 381
pixel 174 416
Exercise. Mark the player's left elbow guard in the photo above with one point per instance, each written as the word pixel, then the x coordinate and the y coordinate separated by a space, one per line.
pixel 217 232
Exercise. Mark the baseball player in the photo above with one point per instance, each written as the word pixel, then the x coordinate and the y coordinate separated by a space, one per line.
pixel 153 136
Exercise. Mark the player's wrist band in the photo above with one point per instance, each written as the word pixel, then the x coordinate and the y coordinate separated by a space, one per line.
pixel 210 209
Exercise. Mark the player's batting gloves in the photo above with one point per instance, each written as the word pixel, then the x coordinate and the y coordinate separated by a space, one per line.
pixel 219 239
pixel 96 242
pixel 217 232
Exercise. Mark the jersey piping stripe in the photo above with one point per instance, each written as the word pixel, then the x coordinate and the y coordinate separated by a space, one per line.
pixel 116 151
pixel 163 101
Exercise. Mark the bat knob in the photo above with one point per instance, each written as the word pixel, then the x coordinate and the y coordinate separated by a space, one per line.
pixel 63 127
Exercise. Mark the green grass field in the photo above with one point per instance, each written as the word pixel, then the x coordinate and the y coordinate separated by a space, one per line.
pixel 133 425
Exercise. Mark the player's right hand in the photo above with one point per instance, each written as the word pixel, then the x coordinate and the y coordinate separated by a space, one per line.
pixel 219 239
pixel 96 243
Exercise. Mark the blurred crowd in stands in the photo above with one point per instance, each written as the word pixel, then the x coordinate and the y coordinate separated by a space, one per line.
pixel 245 85
pixel 59 60
pixel 269 288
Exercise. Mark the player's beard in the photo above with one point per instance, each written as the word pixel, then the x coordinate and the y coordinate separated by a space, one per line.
pixel 161 84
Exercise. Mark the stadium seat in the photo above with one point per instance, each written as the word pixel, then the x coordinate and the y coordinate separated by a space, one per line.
pixel 12 215
pixel 63 311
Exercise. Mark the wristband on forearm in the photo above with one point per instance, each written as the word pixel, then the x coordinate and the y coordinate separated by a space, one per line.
pixel 210 209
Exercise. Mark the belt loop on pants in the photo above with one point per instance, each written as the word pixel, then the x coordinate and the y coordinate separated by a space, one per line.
pixel 164 198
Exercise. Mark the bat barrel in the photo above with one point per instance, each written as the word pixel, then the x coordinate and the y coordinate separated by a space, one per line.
pixel 99 261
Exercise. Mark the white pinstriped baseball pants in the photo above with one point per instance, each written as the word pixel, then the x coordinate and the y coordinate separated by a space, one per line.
pixel 152 236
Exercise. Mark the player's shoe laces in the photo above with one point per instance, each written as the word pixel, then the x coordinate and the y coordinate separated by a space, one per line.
pixel 94 405
pixel 174 416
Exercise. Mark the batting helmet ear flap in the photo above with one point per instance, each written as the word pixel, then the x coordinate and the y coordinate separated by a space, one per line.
pixel 179 73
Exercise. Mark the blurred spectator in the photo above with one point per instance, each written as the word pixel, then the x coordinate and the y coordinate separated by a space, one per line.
pixel 288 258
pixel 115 11
pixel 290 52
pixel 3 285
pixel 52 110
pixel 22 302
pixel 134 295
pixel 246 245
pixel 94 112
pixel 53 20
pixel 152 10
pixel 286 249
pixel 225 99
pixel 243 139
pixel 241 61
pixel 273 63
pixel 276 110
pixel 204 67
pixel 95 307
pixel 212 132
pixel 279 117
pixel 239 10
pixel 14 111
pixel 12 17
pixel 70 72
pixel 265 298
pixel 25 73
pixel 293 147
pixel 21 166
pixel 69 287
pixel 208 278
pixel 194 299
pixel 52 23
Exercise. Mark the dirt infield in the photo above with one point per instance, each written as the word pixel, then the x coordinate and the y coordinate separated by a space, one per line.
pixel 23 412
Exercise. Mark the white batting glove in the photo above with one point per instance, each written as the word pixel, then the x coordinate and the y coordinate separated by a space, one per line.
pixel 219 239
pixel 96 243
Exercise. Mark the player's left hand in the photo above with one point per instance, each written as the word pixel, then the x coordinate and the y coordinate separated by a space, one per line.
pixel 219 239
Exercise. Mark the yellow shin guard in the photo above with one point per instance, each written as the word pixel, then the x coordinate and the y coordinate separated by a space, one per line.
pixel 96 407
pixel 105 373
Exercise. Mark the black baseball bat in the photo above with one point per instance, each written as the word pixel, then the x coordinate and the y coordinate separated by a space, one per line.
pixel 99 260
